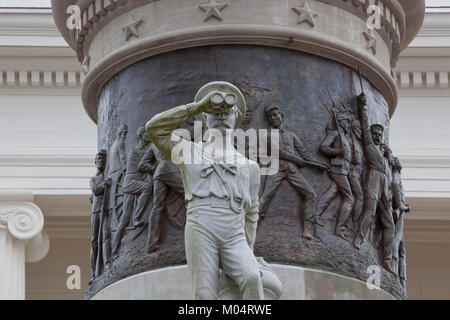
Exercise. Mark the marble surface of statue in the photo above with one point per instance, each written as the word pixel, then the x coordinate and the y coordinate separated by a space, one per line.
pixel 221 191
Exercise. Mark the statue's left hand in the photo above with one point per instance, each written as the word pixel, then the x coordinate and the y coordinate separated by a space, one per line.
pixel 208 106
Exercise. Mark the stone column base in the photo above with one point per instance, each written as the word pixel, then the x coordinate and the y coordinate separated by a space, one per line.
pixel 174 283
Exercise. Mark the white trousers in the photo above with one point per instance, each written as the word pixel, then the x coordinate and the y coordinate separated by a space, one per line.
pixel 215 238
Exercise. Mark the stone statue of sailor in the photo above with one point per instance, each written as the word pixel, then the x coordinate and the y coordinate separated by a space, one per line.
pixel 221 191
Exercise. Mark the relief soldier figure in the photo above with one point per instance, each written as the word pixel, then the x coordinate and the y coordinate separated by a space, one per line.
pixel 117 160
pixel 376 191
pixel 293 155
pixel 136 187
pixel 341 145
pixel 356 172
pixel 166 177
pixel 221 191
pixel 99 185
pixel 400 207
pixel 117 154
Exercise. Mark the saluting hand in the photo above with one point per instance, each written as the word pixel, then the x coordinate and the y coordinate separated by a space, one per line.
pixel 216 102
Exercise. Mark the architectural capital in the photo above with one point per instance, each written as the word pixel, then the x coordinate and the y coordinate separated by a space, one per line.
pixel 25 221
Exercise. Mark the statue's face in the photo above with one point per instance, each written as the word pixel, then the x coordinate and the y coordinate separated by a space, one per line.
pixel 145 139
pixel 377 135
pixel 275 118
pixel 100 161
pixel 344 124
pixel 362 100
pixel 245 87
pixel 391 161
pixel 223 120
pixel 123 135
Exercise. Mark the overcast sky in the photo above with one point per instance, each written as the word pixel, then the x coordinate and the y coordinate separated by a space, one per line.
pixel 46 3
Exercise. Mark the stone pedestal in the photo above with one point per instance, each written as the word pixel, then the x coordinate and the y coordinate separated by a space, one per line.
pixel 173 283
pixel 142 57
pixel 22 240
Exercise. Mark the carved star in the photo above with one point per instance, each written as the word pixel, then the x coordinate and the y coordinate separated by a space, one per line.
pixel 212 9
pixel 85 64
pixel 132 30
pixel 306 14
pixel 371 41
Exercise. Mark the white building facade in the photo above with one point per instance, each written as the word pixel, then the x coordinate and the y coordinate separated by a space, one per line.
pixel 48 144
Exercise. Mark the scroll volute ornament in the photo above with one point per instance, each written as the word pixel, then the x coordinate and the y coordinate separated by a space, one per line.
pixel 24 221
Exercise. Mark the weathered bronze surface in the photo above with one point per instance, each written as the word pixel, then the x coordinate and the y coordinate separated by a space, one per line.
pixel 319 100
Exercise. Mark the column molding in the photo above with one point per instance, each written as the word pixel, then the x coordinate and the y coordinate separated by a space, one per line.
pixel 22 239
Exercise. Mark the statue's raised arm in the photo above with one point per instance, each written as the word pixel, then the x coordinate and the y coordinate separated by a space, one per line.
pixel 161 126
pixel 364 117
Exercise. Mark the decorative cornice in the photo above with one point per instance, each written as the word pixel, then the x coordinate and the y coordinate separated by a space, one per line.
pixel 298 39
pixel 428 161
pixel 393 21
pixel 423 80
pixel 34 29
pixel 95 14
pixel 104 53
pixel 47 160
pixel 36 79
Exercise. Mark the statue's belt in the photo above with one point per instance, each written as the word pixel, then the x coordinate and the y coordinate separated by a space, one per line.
pixel 212 202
